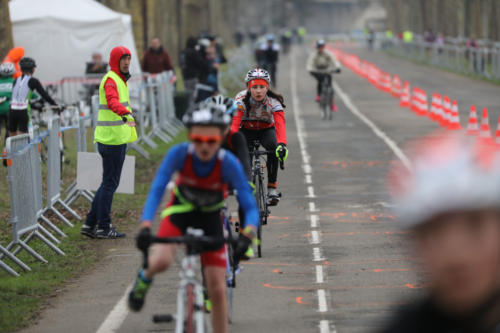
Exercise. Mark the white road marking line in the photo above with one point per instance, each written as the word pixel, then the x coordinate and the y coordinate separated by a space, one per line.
pixel 310 191
pixel 317 254
pixel 315 237
pixel 322 307
pixel 319 274
pixel 307 168
pixel 378 132
pixel 312 207
pixel 324 327
pixel 116 317
pixel 314 221
pixel 308 179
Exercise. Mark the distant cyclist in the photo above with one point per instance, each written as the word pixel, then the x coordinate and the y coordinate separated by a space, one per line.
pixel 24 86
pixel 261 117
pixel 322 64
pixel 204 172
pixel 267 57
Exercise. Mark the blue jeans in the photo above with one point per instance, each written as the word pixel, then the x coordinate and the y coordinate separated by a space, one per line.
pixel 112 163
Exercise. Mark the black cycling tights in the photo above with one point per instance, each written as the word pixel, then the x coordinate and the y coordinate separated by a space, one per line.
pixel 319 77
pixel 267 138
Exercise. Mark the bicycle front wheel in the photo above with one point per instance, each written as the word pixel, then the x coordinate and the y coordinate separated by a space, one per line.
pixel 190 305
pixel 261 205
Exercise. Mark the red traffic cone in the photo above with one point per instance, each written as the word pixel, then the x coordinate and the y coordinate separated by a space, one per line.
pixel 472 125
pixel 405 96
pixel 497 136
pixel 484 130
pixel 455 117
pixel 445 120
pixel 396 87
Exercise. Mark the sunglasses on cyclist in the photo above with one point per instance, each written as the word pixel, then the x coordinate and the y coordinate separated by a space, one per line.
pixel 209 139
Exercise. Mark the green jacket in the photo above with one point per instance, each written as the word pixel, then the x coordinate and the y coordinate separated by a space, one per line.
pixel 5 92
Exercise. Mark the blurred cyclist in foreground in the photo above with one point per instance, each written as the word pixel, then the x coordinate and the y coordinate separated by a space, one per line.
pixel 450 202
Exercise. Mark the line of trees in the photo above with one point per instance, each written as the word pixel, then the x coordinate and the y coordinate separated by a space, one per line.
pixel 465 18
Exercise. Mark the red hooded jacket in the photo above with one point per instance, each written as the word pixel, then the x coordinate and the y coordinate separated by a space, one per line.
pixel 112 97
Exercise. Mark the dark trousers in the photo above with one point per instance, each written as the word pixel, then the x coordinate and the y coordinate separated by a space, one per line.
pixel 112 163
pixel 319 77
pixel 267 138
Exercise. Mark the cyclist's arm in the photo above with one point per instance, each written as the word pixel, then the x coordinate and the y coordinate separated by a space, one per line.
pixel 172 162
pixel 336 63
pixel 240 147
pixel 235 125
pixel 234 176
pixel 280 124
pixel 35 85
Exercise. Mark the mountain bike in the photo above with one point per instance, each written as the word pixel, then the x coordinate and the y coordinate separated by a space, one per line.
pixel 327 94
pixel 191 315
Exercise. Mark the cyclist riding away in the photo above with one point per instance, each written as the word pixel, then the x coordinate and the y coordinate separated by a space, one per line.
pixel 204 172
pixel 260 116
pixel 322 64
pixel 20 109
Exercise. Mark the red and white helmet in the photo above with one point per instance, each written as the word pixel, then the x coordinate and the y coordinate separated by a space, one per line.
pixel 452 173
pixel 258 73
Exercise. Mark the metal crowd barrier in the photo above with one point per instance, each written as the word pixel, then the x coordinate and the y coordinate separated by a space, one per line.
pixel 154 111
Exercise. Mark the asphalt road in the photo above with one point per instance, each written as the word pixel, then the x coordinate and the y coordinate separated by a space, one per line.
pixel 334 257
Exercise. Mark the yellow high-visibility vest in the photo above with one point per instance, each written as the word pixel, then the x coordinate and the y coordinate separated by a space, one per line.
pixel 110 128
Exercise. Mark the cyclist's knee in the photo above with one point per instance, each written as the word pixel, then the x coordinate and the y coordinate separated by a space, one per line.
pixel 161 258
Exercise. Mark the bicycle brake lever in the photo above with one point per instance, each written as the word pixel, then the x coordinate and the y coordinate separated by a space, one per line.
pixel 282 165
pixel 145 256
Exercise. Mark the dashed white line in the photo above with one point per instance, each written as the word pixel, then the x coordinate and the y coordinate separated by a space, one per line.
pixel 324 327
pixel 310 191
pixel 322 307
pixel 312 207
pixel 317 254
pixel 307 168
pixel 378 132
pixel 308 179
pixel 315 237
pixel 319 274
pixel 314 221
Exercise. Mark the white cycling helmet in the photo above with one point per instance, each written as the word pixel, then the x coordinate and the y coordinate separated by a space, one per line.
pixel 449 174
pixel 224 103
pixel 7 69
pixel 258 73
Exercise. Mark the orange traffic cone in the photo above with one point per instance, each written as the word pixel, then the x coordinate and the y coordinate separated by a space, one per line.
pixel 455 117
pixel 396 86
pixel 484 130
pixel 445 122
pixel 472 126
pixel 497 136
pixel 405 96
pixel 424 105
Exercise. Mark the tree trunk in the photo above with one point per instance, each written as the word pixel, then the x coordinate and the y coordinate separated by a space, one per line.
pixel 6 42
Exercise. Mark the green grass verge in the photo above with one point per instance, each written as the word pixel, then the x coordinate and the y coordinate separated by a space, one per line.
pixel 21 298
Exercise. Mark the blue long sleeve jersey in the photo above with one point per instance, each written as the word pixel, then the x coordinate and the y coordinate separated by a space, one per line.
pixel 232 174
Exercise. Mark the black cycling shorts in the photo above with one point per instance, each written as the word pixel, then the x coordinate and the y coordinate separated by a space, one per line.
pixel 18 121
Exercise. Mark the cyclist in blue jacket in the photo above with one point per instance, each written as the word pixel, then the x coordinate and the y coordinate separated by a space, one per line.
pixel 204 172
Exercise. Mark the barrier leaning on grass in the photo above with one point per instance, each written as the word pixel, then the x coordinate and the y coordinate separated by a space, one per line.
pixel 153 106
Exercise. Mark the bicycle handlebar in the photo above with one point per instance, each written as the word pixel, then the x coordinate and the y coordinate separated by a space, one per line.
pixel 191 240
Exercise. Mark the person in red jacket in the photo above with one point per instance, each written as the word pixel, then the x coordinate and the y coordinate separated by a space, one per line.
pixel 112 146
pixel 261 117
pixel 14 56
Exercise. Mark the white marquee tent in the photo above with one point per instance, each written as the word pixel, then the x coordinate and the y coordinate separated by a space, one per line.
pixel 61 35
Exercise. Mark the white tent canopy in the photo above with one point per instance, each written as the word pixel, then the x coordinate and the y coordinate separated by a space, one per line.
pixel 61 35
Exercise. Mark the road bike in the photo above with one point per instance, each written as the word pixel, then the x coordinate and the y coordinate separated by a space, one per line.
pixel 191 315
pixel 261 198
pixel 327 95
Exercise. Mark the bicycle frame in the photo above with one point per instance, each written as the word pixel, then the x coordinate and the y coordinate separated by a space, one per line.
pixel 326 98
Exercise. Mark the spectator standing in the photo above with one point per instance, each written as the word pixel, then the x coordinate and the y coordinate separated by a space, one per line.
pixel 6 82
pixel 114 129
pixel 93 68
pixel 14 56
pixel 192 64
pixel 156 59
